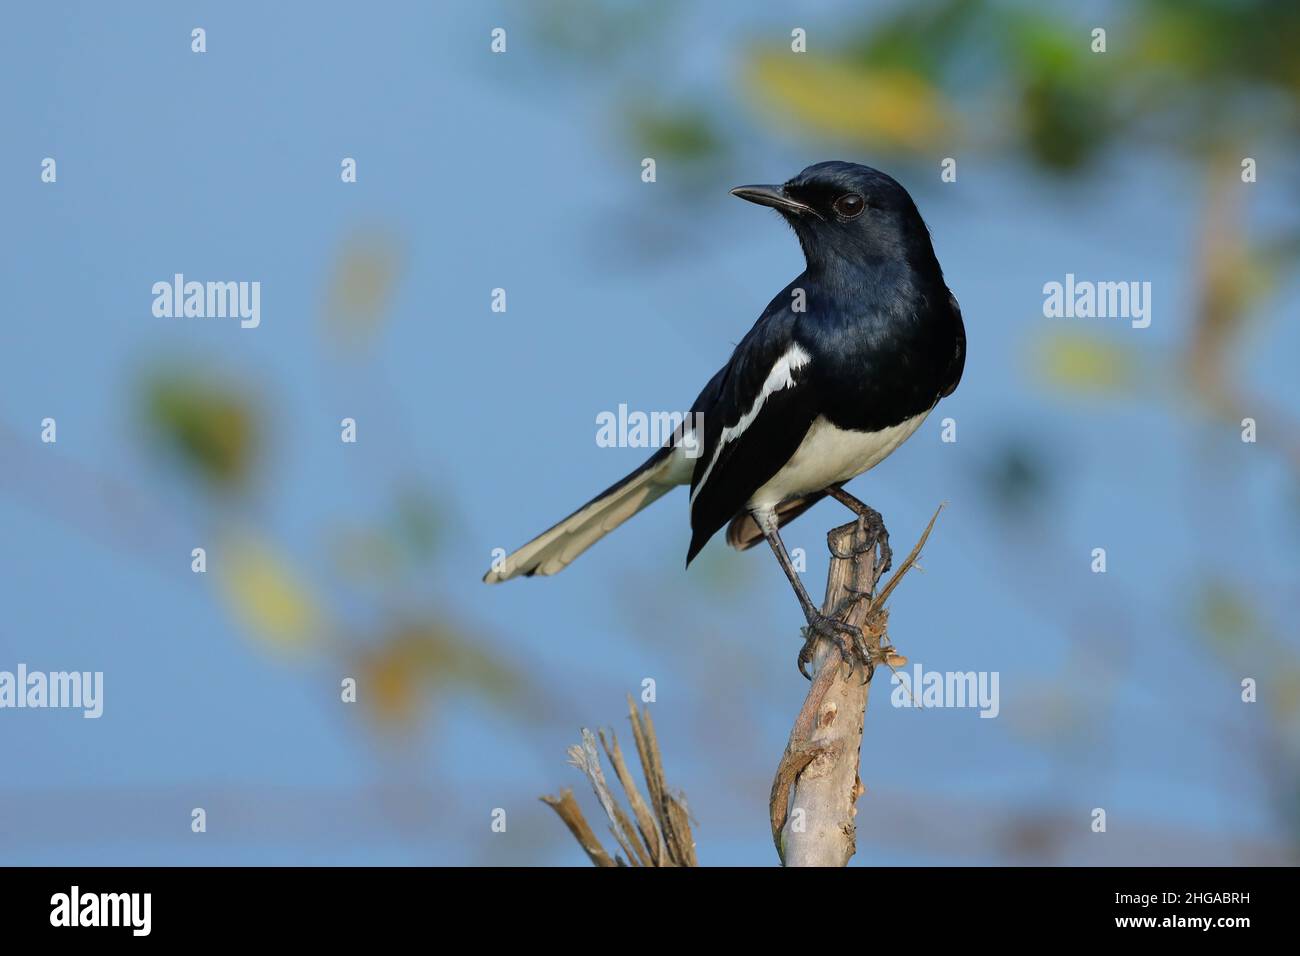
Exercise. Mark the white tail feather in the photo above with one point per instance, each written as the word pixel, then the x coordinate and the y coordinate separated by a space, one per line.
pixel 554 550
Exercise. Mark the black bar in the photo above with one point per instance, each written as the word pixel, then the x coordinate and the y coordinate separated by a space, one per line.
pixel 303 905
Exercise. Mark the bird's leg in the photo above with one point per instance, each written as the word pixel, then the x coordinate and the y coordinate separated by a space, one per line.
pixel 852 647
pixel 875 524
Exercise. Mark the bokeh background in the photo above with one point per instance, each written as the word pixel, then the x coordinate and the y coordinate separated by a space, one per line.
pixel 476 429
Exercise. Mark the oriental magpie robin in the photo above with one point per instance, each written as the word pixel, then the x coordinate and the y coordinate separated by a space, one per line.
pixel 842 366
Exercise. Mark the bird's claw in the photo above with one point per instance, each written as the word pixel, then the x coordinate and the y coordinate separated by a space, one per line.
pixel 876 536
pixel 879 536
pixel 853 647
pixel 886 552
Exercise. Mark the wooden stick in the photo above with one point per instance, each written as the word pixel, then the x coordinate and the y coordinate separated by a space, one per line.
pixel 816 787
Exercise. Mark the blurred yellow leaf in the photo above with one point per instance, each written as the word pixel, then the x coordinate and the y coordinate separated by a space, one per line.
pixel 1286 692
pixel 887 106
pixel 1232 276
pixel 421 656
pixel 388 684
pixel 1076 362
pixel 361 284
pixel 1225 616
pixel 266 596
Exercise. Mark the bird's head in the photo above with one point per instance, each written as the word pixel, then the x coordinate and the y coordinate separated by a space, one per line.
pixel 848 211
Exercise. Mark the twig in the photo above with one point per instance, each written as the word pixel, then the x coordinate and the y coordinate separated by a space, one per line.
pixel 585 758
pixel 645 822
pixel 571 814
pixel 662 833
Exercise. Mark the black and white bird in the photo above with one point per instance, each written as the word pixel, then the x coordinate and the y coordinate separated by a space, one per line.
pixel 843 365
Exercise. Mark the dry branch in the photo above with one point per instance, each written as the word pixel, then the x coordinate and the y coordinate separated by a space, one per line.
pixel 661 835
pixel 569 811
pixel 815 826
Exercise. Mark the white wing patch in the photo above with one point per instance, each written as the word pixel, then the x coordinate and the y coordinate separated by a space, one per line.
pixel 781 376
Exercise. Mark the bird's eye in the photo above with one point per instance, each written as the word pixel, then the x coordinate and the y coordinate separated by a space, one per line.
pixel 850 206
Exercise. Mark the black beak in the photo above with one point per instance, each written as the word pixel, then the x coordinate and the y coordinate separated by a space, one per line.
pixel 774 196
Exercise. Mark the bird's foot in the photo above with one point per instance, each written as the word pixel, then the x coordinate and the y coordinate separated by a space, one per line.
pixel 877 535
pixel 873 524
pixel 848 638
pixel 886 552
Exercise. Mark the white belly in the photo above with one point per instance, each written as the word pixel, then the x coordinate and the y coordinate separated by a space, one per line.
pixel 828 456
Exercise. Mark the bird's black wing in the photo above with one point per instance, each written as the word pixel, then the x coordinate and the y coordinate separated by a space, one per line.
pixel 952 374
pixel 756 412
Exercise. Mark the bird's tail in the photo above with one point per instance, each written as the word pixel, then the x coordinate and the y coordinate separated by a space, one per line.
pixel 553 550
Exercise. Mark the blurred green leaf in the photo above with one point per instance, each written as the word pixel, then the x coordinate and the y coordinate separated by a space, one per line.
pixel 207 425
pixel 683 134
pixel 1064 120
pixel 926 38
pixel 1217 43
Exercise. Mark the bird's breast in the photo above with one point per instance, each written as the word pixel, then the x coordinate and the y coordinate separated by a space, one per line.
pixel 830 455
